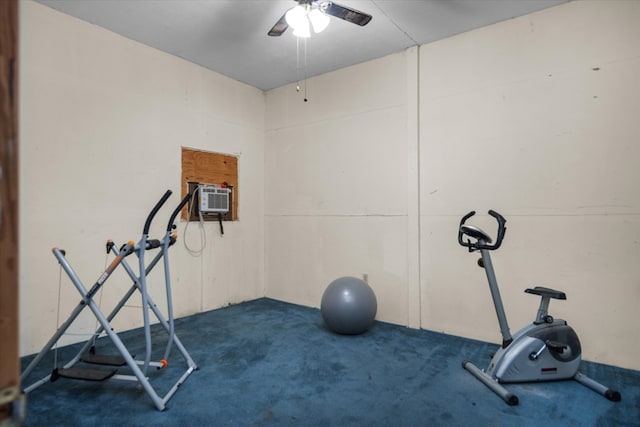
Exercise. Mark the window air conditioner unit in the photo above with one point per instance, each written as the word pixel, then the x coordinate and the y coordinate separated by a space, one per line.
pixel 213 199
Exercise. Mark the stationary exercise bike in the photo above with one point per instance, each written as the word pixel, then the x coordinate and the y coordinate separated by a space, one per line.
pixel 546 350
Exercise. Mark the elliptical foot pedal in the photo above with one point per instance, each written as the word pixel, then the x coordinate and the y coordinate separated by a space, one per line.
pixel 102 359
pixel 83 374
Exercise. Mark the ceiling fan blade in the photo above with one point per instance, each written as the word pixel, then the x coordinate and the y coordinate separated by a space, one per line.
pixel 279 27
pixel 346 13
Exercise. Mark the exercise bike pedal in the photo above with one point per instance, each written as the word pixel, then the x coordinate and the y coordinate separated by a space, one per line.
pixel 556 346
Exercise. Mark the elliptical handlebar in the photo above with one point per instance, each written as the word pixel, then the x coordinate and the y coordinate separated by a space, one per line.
pixel 154 211
pixel 480 243
pixel 175 213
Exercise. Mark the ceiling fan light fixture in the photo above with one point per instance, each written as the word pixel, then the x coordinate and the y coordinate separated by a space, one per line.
pixel 296 17
pixel 319 20
pixel 315 13
pixel 302 17
pixel 302 30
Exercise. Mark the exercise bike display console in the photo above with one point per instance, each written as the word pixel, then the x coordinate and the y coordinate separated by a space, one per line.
pixel 547 349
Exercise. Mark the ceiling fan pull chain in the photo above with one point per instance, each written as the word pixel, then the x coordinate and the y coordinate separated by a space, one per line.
pixel 304 66
pixel 305 70
pixel 297 64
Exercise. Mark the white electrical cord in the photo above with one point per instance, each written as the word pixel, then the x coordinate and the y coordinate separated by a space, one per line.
pixel 203 234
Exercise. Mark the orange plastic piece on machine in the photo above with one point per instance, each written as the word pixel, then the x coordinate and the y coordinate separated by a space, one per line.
pixel 163 363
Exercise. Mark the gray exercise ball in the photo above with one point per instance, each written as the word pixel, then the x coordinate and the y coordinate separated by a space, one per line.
pixel 349 306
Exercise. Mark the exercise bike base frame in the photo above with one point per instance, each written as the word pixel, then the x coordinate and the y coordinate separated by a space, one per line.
pixel 494 385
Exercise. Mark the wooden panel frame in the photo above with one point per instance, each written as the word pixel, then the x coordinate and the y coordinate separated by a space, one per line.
pixel 210 168
pixel 9 354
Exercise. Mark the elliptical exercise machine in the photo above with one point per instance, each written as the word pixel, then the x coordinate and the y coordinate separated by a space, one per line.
pixel 106 366
pixel 546 350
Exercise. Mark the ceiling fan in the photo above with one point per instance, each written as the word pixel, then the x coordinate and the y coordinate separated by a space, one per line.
pixel 315 14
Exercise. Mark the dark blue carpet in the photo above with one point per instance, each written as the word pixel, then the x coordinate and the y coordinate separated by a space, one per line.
pixel 269 363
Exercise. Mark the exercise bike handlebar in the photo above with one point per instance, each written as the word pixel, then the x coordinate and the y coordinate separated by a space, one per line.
pixel 175 213
pixel 481 243
pixel 154 211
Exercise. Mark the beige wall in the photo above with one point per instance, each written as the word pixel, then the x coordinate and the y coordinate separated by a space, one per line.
pixel 102 121
pixel 533 117
pixel 536 117
pixel 336 185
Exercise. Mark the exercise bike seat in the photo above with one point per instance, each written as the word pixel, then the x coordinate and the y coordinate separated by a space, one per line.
pixel 546 292
pixel 475 232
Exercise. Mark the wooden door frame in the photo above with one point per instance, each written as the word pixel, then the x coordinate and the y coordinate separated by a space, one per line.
pixel 9 356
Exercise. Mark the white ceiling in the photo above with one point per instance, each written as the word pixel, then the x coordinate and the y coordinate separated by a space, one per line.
pixel 230 36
